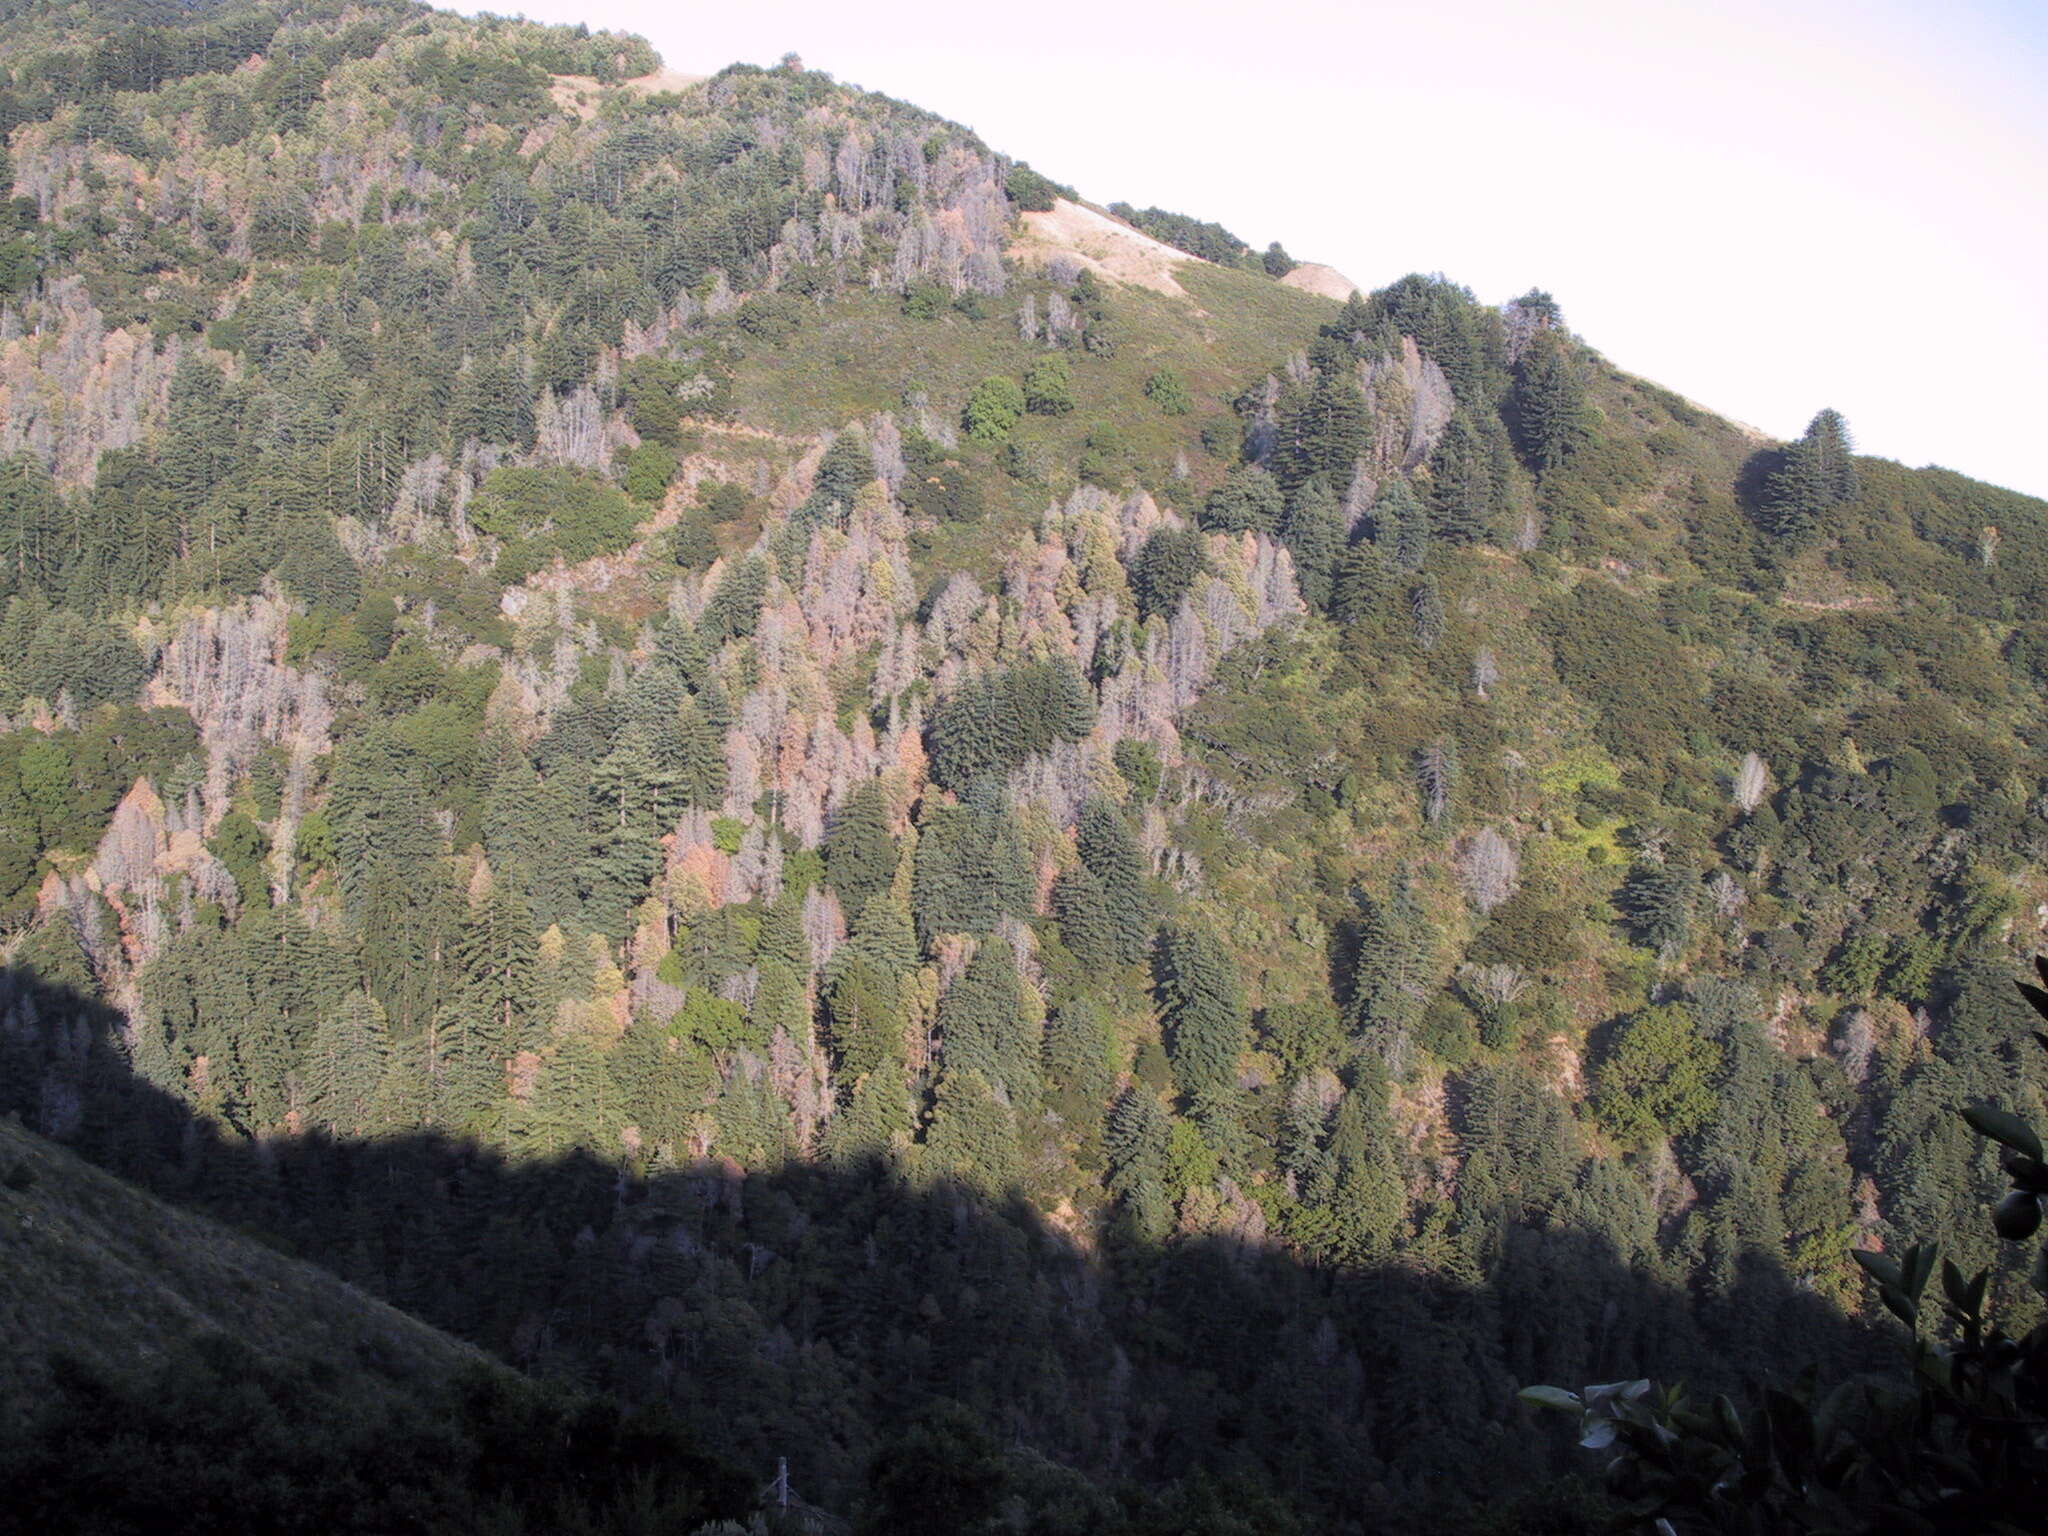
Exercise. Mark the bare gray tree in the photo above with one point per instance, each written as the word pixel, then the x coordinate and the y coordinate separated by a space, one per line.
pixel 1485 670
pixel 1752 782
pixel 1434 771
pixel 1489 867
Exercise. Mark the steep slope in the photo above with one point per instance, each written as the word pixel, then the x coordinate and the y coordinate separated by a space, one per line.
pixel 755 758
pixel 161 1371
pixel 100 1272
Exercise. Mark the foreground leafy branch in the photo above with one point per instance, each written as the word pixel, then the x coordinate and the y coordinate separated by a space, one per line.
pixel 1962 1445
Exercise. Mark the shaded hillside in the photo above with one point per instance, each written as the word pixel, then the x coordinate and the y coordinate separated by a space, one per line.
pixel 558 623
pixel 162 1369
pixel 102 1272
pixel 832 1313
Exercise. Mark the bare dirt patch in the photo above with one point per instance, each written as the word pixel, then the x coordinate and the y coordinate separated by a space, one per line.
pixel 1106 246
pixel 575 95
pixel 1314 277
pixel 578 95
pixel 663 80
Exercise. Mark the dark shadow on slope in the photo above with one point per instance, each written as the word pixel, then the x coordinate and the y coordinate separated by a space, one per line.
pixel 810 1312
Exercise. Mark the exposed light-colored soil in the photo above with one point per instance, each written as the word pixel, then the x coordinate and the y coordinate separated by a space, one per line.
pixel 578 95
pixel 1314 277
pixel 1109 247
pixel 663 80
pixel 575 94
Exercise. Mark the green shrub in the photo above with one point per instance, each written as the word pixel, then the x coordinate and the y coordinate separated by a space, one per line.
pixel 649 468
pixel 1031 192
pixel 993 409
pixel 1167 390
pixel 1049 387
pixel 539 513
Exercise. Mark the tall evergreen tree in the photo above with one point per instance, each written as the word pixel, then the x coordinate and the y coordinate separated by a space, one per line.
pixel 1110 853
pixel 495 953
pixel 1088 925
pixel 1462 493
pixel 1552 417
pixel 1314 533
pixel 1391 983
pixel 1137 1140
pixel 1204 1009
pixel 970 870
pixel 860 856
pixel 345 1065
pixel 986 1030
pixel 973 1135
pixel 1815 474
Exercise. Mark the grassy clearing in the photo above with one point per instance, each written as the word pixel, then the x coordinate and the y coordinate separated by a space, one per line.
pixel 863 355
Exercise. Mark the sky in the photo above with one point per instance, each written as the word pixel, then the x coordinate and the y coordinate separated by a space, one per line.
pixel 1769 208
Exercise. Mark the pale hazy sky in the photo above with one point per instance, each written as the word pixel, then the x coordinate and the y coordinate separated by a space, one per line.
pixel 1766 207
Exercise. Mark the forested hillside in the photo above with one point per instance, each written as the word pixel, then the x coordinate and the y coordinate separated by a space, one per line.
pixel 701 731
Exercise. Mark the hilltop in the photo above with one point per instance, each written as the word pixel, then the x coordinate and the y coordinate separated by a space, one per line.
pixel 757 743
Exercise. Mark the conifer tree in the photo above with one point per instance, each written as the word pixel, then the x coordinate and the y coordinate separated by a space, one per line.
pixel 574 1102
pixel 1552 418
pixel 1462 495
pixel 1249 499
pixel 700 756
pixel 1364 586
pixel 782 934
pixel 1088 926
pixel 1314 533
pixel 1110 853
pixel 877 1118
pixel 1400 525
pixel 1816 474
pixel 985 1028
pixel 1426 608
pixel 860 856
pixel 863 1016
pixel 1166 568
pixel 734 611
pixel 494 952
pixel 345 1065
pixel 845 469
pixel 1323 429
pixel 1390 985
pixel 531 834
pixel 1078 1070
pixel 973 1135
pixel 1137 1141
pixel 1365 1195
pixel 884 934
pixel 633 800
pixel 1204 1010
pixel 405 921
pixel 969 870
pixel 459 1067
